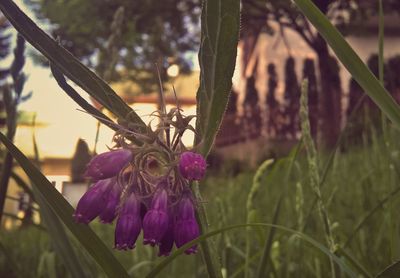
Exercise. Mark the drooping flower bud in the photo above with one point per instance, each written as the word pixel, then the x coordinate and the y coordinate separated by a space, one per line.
pixel 192 166
pixel 155 222
pixel 186 228
pixel 109 212
pixel 167 242
pixel 129 224
pixel 108 164
pixel 92 202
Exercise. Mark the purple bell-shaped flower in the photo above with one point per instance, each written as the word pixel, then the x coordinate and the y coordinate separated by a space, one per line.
pixel 192 166
pixel 92 202
pixel 108 164
pixel 129 224
pixel 109 212
pixel 186 228
pixel 155 222
pixel 167 241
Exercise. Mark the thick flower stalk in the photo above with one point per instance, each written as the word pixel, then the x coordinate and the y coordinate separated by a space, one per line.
pixel 146 187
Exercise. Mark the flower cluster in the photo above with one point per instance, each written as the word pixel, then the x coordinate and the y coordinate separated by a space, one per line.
pixel 146 187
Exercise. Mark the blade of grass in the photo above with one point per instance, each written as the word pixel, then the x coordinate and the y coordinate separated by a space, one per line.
pixel 263 265
pixel 392 271
pixel 68 64
pixel 341 252
pixel 351 61
pixel 251 210
pixel 88 239
pixel 329 161
pixel 61 242
pixel 12 265
pixel 59 238
pixel 156 270
pixel 370 214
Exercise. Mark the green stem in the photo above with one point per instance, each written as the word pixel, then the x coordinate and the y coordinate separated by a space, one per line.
pixel 208 251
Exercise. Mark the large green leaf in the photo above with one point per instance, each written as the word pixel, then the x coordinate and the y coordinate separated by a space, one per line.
pixel 220 22
pixel 88 239
pixel 68 64
pixel 351 61
pixel 203 237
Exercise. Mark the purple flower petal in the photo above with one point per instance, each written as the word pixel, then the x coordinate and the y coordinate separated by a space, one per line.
pixel 108 164
pixel 129 224
pixel 167 242
pixel 109 213
pixel 186 228
pixel 155 222
pixel 92 202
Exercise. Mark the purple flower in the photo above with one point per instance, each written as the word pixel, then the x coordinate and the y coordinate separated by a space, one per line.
pixel 167 241
pixel 129 224
pixel 92 202
pixel 109 212
pixel 186 228
pixel 192 166
pixel 108 164
pixel 155 222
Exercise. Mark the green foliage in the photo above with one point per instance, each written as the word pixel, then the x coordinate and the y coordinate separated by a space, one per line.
pixel 95 247
pixel 220 22
pixel 359 180
pixel 217 56
pixel 150 33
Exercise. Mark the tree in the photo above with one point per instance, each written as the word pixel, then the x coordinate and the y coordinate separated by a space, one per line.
pixel 257 13
pixel 273 113
pixel 150 32
pixel 4 51
pixel 292 99
pixel 79 161
pixel 309 74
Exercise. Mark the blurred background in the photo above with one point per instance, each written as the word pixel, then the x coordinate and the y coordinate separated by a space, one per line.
pixel 122 40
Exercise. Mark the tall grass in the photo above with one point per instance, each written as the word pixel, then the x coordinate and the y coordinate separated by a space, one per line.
pixel 361 193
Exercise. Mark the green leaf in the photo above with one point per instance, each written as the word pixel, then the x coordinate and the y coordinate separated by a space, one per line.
pixel 203 237
pixel 68 64
pixel 61 242
pixel 351 61
pixel 392 271
pixel 88 239
pixel 220 22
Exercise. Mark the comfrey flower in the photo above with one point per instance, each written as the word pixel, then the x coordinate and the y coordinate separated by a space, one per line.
pixel 129 223
pixel 108 164
pixel 192 166
pixel 186 227
pixel 167 241
pixel 146 186
pixel 92 202
pixel 109 212
pixel 155 222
